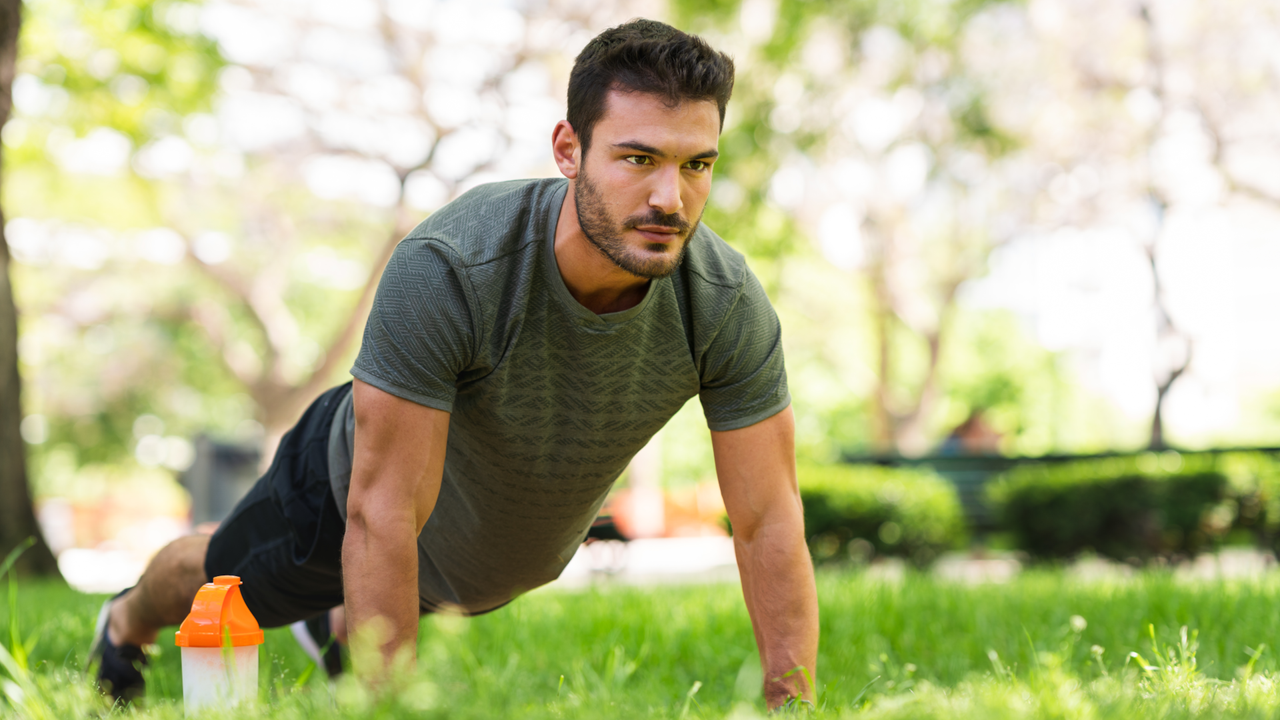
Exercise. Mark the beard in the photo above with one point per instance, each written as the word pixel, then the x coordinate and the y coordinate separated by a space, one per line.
pixel 652 260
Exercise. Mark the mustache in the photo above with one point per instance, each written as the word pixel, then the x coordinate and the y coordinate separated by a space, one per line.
pixel 673 221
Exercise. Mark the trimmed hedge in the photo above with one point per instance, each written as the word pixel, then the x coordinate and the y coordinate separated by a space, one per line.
pixel 1139 506
pixel 1255 483
pixel 854 512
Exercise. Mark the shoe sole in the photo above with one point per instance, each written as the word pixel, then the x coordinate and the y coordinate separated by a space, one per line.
pixel 99 630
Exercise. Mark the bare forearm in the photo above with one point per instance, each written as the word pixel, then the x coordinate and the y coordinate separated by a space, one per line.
pixel 396 468
pixel 757 471
pixel 777 584
pixel 380 580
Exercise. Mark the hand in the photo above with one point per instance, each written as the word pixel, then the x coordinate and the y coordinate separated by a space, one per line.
pixel 786 693
pixel 794 706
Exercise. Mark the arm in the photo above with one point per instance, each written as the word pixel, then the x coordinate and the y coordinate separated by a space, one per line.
pixel 395 478
pixel 757 470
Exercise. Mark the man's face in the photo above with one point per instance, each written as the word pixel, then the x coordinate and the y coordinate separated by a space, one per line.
pixel 643 184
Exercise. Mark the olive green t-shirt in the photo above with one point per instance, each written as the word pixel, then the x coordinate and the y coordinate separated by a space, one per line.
pixel 548 401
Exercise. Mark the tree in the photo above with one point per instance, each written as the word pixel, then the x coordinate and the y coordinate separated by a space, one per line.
pixel 284 234
pixel 428 116
pixel 1167 331
pixel 149 69
pixel 1153 127
pixel 864 124
pixel 17 521
pixel 911 140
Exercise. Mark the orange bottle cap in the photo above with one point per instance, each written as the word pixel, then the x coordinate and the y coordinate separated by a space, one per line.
pixel 219 610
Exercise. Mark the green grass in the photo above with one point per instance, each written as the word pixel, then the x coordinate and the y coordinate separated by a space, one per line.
pixel 1042 646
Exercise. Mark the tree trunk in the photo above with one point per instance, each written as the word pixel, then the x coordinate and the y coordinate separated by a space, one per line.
pixel 884 427
pixel 17 519
pixel 899 425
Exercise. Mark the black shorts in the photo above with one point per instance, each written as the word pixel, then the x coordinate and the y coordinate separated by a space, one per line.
pixel 284 538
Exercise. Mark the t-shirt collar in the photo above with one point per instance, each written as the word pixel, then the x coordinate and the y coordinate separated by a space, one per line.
pixel 556 282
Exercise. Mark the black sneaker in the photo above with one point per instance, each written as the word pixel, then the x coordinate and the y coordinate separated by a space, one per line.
pixel 318 641
pixel 119 666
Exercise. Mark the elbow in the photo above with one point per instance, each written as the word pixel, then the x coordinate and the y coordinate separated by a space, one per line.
pixel 377 514
pixel 745 529
pixel 784 518
pixel 357 520
pixel 366 516
pixel 358 511
pixel 360 526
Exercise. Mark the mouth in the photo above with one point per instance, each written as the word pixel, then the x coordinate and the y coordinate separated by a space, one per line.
pixel 658 233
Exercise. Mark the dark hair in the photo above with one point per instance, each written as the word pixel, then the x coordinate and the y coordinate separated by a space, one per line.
pixel 649 57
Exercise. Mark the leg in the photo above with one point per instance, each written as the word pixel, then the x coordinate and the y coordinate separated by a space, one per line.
pixel 284 539
pixel 163 596
pixel 338 621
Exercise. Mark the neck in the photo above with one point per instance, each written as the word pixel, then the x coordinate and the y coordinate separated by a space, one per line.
pixel 591 277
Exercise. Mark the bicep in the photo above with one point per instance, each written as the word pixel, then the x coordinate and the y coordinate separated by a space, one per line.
pixel 398 456
pixel 756 468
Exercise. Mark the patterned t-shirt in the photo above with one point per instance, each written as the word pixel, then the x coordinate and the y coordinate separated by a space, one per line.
pixel 548 401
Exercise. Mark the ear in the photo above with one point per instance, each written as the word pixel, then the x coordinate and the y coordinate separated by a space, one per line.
pixel 566 149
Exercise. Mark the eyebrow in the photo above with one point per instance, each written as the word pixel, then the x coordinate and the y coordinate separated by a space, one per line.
pixel 651 150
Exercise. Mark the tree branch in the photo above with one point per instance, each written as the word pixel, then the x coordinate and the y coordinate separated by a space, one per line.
pixel 241 291
pixel 346 336
pixel 1234 185
pixel 212 319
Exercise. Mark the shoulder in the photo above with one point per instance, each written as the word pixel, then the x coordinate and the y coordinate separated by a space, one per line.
pixel 717 289
pixel 711 263
pixel 489 221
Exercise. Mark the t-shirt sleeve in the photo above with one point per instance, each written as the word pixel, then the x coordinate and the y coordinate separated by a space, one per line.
pixel 743 376
pixel 420 333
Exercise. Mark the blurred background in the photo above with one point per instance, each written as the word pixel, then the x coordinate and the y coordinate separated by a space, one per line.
pixel 1001 230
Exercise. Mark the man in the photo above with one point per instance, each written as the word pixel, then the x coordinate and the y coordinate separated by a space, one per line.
pixel 526 341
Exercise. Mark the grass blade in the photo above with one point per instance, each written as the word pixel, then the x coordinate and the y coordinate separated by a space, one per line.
pixel 688 697
pixel 10 664
pixel 15 553
pixel 863 691
pixel 16 646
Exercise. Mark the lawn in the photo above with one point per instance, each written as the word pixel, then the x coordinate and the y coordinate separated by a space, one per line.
pixel 1044 645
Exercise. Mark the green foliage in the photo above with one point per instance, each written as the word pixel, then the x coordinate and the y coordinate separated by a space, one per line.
pixel 855 511
pixel 103 345
pixel 782 74
pixel 992 365
pixel 1254 479
pixel 974 124
pixel 134 66
pixel 1138 505
pixel 98 345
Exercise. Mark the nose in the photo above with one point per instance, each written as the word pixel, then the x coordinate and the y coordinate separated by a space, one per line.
pixel 664 196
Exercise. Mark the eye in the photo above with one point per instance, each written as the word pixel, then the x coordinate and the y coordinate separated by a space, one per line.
pixel 639 159
pixel 698 165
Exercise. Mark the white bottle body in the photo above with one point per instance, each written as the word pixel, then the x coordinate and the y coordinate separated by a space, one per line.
pixel 212 679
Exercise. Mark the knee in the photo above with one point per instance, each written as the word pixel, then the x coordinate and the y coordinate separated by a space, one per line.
pixel 191 544
pixel 186 556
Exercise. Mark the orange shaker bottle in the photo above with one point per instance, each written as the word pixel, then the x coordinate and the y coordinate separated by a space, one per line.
pixel 219 642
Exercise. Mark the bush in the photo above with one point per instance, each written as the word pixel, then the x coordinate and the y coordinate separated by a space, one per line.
pixel 1255 483
pixel 1138 506
pixel 855 512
